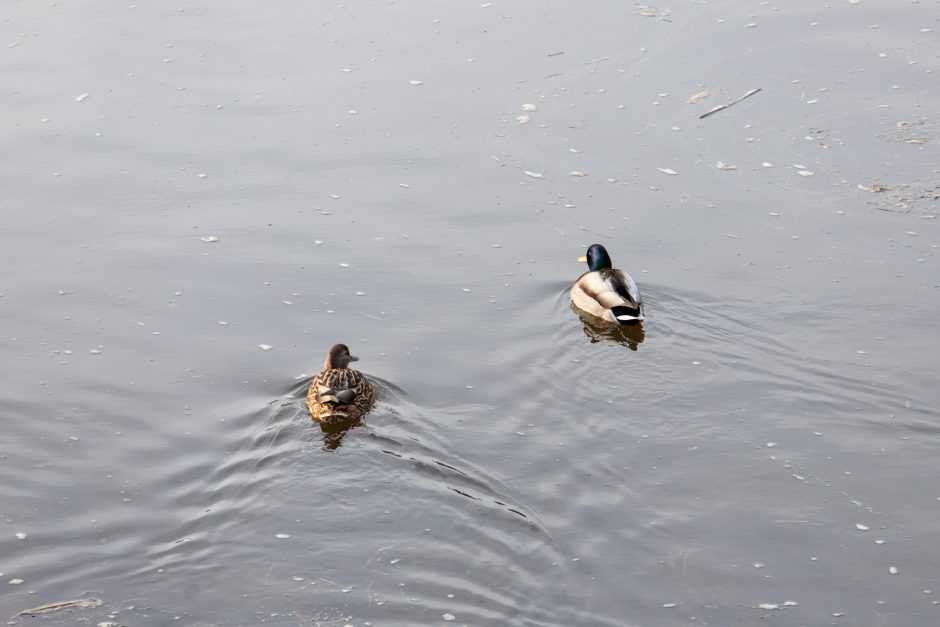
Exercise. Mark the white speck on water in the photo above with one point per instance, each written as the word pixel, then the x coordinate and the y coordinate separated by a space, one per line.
pixel 467 289
pixel 879 541
pixel 529 107
pixel 395 561
pixel 448 616
pixel 752 25
pixel 774 214
pixel 893 570
pixel 211 239
pixel 469 387
pixel 298 578
pixel 343 265
pixel 20 536
pixel 668 171
pixel 771 445
pixel 15 582
pixel 767 164
pixel 222 322
pixel 360 293
pixel 806 173
pixel 496 245
pixel 405 185
pixel 282 536
pixel 265 347
pixel 415 83
pixel 668 605
pixel 318 242
pixel 910 232
pixel 96 351
pixel 202 176
pixel 696 363
pixel 732 235
pixel 769 606
pixel 578 173
pixel 862 352
pixel 522 119
pixel 721 165
pixel 535 175
pixel 758 565
pixel 353 112
pixel 861 527
pixel 813 101
pixel 81 97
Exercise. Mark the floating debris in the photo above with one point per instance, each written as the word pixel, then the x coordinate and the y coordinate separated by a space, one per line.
pixel 343 264
pixel 699 96
pixel 732 103
pixel 861 527
pixel 265 347
pixel 416 83
pixel 670 605
pixel 806 173
pixel 21 536
pixel 448 616
pixel 529 107
pixel 282 536
pixel 721 165
pixel 15 582
pixel 81 97
pixel 578 173
pixel 893 570
pixel 535 175
pixel 765 164
pixel 211 239
pixel 668 171
pixel 522 119
pixel 769 606
pixel 59 605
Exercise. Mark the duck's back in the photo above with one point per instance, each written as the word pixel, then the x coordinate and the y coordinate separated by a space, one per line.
pixel 607 293
pixel 321 397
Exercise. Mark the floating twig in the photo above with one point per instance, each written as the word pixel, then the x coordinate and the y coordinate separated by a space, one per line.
pixel 60 605
pixel 725 106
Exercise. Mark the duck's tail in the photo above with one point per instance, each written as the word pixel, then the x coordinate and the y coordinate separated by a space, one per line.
pixel 627 315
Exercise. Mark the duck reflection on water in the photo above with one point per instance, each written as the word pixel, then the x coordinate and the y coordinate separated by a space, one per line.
pixel 630 335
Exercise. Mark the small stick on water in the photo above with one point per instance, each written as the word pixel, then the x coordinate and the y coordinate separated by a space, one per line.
pixel 61 605
pixel 733 102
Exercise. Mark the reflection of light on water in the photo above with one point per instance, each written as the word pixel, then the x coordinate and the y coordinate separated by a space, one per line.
pixel 630 335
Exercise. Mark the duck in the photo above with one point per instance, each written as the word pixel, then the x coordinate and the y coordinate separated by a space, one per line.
pixel 339 393
pixel 605 292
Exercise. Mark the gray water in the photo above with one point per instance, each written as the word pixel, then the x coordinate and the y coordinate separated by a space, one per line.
pixel 186 182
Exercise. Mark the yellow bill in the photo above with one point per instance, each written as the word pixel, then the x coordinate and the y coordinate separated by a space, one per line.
pixel 583 258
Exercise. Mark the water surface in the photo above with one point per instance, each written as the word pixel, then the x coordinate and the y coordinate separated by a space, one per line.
pixel 762 450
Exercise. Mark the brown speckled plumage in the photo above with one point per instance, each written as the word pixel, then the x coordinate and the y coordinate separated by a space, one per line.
pixel 339 394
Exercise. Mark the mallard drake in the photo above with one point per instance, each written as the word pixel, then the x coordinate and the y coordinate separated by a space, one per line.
pixel 605 292
pixel 339 394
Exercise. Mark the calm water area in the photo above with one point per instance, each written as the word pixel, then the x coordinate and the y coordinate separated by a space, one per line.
pixel 199 198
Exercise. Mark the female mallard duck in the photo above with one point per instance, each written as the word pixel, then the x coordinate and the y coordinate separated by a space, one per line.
pixel 605 292
pixel 339 394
